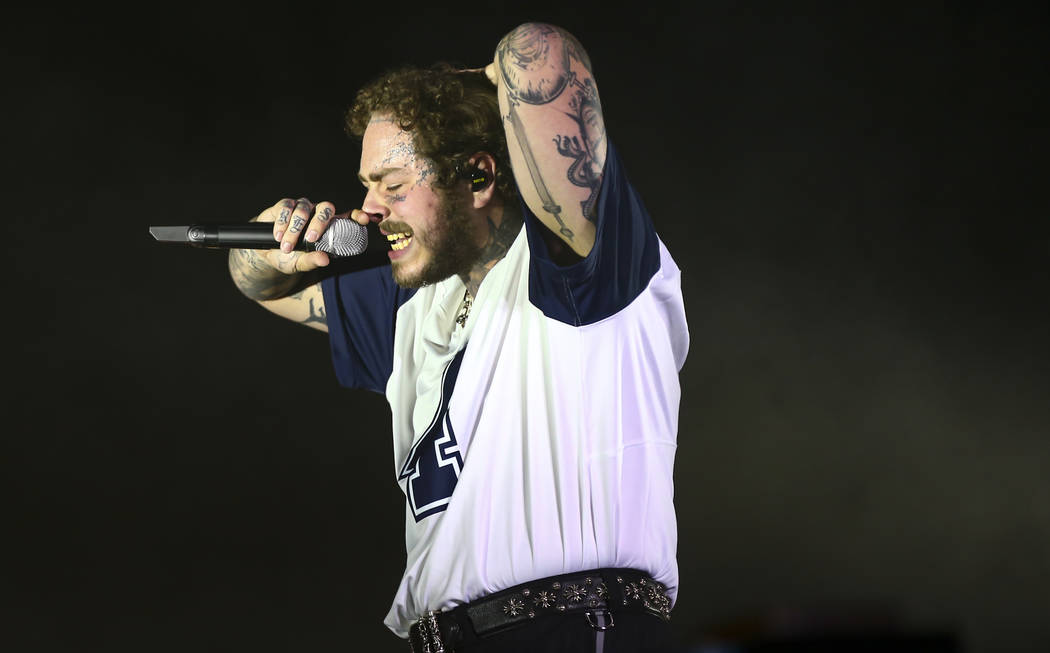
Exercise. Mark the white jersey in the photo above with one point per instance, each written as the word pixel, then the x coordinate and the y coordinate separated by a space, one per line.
pixel 538 438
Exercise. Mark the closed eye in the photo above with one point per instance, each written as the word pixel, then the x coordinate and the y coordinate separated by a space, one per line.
pixel 393 187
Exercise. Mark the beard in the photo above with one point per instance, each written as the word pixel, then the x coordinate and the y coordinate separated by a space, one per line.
pixel 449 247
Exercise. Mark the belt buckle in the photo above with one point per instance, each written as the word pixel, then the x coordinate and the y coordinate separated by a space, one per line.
pixel 600 620
pixel 429 633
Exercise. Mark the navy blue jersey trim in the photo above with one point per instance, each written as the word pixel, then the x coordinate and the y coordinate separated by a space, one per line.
pixel 361 310
pixel 625 256
pixel 432 467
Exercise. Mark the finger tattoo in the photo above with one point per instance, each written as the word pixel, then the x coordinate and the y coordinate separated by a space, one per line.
pixel 297 225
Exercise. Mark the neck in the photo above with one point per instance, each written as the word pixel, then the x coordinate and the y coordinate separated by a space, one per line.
pixel 503 226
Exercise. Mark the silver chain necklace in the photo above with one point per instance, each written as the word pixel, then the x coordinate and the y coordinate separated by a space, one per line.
pixel 464 309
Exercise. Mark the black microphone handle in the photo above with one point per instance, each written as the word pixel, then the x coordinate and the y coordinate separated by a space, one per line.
pixel 249 235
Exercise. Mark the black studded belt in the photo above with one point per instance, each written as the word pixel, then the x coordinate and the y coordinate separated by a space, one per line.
pixel 598 594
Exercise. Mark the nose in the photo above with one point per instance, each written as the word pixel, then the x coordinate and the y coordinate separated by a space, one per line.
pixel 374 205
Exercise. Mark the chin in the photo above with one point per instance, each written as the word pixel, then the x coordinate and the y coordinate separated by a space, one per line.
pixel 407 281
pixel 411 278
pixel 432 269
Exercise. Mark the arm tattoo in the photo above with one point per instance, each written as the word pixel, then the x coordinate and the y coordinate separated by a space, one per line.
pixel 317 314
pixel 549 205
pixel 536 65
pixel 256 278
pixel 584 170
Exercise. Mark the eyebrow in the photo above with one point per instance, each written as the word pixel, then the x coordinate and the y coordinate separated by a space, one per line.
pixel 376 175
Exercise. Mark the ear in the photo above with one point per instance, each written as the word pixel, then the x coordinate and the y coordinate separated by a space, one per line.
pixel 481 175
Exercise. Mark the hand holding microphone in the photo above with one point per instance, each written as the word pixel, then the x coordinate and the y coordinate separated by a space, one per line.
pixel 294 235
pixel 300 224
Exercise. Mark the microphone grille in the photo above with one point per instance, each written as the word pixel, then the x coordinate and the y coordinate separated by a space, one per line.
pixel 344 237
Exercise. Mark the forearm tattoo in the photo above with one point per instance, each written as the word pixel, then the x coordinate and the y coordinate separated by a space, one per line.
pixel 316 314
pixel 256 278
pixel 536 65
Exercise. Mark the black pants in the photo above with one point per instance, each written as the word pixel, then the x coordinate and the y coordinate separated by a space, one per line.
pixel 631 632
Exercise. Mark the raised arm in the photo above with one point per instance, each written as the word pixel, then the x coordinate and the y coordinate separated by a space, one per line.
pixel 555 131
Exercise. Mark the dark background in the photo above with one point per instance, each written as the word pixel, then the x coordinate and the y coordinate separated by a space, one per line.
pixel 856 196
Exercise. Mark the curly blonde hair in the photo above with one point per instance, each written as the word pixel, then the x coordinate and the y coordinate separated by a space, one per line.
pixel 451 113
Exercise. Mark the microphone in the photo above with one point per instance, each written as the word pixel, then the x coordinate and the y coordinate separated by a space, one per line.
pixel 344 237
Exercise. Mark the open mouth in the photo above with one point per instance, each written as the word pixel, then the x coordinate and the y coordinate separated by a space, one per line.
pixel 399 241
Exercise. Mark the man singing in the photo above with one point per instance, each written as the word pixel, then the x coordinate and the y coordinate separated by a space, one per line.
pixel 527 333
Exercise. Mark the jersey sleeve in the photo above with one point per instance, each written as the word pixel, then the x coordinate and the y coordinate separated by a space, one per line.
pixel 625 256
pixel 361 309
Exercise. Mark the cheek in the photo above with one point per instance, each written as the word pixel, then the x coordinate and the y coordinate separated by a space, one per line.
pixel 417 206
pixel 418 191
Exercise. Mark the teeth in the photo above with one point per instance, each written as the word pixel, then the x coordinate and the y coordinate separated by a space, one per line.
pixel 399 240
